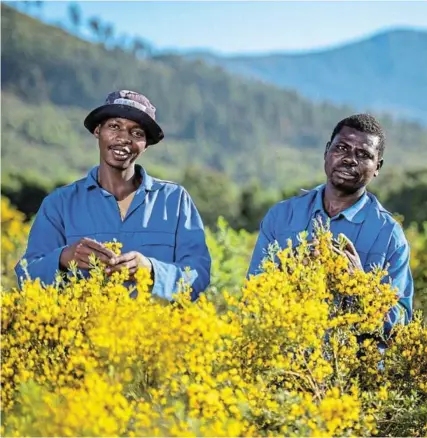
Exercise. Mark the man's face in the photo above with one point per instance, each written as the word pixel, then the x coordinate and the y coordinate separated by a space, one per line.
pixel 352 159
pixel 121 142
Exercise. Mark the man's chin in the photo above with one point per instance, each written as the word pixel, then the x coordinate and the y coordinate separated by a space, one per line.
pixel 120 165
pixel 349 187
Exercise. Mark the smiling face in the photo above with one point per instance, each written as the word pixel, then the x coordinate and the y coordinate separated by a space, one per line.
pixel 121 142
pixel 352 159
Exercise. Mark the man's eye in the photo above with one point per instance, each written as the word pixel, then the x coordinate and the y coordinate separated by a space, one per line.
pixel 138 134
pixel 113 125
pixel 341 147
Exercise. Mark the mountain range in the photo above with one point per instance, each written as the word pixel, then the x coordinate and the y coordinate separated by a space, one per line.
pixel 384 72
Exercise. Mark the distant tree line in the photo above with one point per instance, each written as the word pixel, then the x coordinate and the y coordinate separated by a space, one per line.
pixel 103 33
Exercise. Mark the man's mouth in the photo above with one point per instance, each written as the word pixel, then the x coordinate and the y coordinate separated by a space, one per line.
pixel 120 153
pixel 347 174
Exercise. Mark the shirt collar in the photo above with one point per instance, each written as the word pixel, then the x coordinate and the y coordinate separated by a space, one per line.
pixel 148 182
pixel 356 213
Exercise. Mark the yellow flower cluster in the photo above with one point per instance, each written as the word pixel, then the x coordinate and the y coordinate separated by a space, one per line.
pixel 280 357
pixel 115 246
pixel 14 234
pixel 408 351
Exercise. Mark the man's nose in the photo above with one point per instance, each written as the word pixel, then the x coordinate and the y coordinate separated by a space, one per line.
pixel 350 160
pixel 124 138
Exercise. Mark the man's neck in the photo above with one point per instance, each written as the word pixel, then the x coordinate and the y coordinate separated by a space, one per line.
pixel 335 201
pixel 120 183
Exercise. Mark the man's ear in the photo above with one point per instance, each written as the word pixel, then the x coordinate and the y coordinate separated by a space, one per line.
pixel 96 131
pixel 379 165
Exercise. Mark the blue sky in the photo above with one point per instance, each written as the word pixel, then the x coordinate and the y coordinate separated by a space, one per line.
pixel 243 27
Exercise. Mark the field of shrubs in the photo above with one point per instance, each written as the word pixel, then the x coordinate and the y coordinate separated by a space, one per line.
pixel 296 351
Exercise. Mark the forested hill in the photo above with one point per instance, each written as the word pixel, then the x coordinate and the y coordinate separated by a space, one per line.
pixel 50 79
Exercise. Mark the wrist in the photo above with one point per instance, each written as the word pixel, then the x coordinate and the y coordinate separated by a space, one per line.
pixel 64 258
pixel 150 267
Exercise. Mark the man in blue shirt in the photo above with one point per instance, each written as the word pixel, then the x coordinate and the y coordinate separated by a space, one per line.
pixel 156 221
pixel 353 157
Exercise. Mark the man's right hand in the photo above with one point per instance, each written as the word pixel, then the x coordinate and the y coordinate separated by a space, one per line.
pixel 80 252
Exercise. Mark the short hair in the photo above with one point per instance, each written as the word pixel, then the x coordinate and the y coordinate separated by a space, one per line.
pixel 363 123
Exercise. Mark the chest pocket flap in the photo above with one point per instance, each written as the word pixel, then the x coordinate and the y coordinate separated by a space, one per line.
pixel 157 238
pixel 158 245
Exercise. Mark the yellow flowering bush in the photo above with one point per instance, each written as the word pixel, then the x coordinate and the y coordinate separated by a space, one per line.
pixel 293 351
pixel 283 355
pixel 14 234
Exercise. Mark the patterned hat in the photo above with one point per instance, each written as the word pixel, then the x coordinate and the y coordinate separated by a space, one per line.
pixel 127 105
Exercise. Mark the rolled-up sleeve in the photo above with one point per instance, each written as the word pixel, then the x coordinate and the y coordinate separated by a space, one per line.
pixel 45 243
pixel 401 278
pixel 192 261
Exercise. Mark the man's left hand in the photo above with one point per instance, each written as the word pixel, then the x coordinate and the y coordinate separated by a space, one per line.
pixel 351 253
pixel 132 260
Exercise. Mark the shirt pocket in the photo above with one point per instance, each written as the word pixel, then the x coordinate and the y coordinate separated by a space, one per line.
pixel 158 245
pixel 73 238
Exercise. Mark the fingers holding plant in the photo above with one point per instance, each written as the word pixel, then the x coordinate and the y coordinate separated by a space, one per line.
pixel 132 261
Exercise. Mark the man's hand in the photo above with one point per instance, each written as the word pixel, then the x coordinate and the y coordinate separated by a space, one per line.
pixel 351 253
pixel 131 260
pixel 81 250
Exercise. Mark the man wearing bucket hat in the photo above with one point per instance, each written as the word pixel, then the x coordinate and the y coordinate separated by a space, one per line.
pixel 156 221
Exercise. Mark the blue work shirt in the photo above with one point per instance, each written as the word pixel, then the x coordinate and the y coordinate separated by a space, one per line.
pixel 377 237
pixel 162 223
